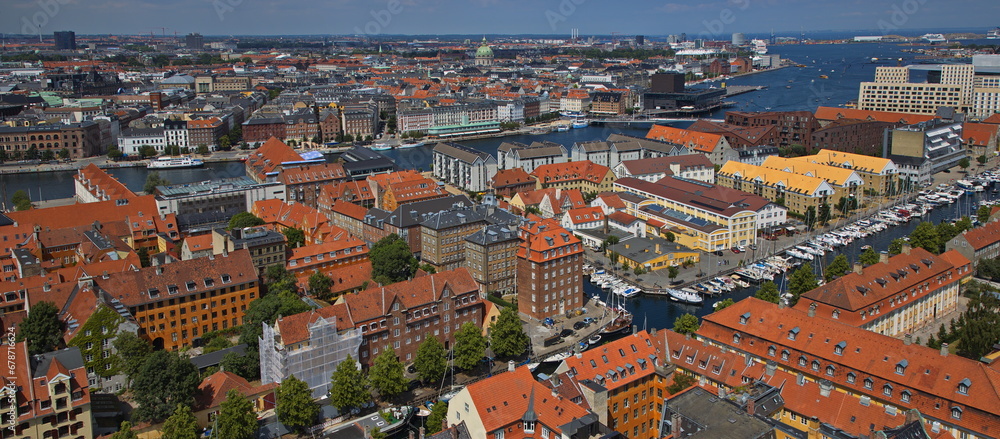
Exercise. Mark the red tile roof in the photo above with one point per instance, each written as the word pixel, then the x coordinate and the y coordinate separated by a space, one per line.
pixel 571 171
pixel 994 119
pixel 834 113
pixel 981 237
pixel 703 142
pixel 511 177
pixel 615 364
pixel 612 200
pixel 503 399
pixel 101 184
pixel 295 328
pixel 375 302
pixel 212 390
pixel 585 215
pixel 622 218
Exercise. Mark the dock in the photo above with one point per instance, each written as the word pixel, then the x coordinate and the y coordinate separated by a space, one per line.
pixel 734 90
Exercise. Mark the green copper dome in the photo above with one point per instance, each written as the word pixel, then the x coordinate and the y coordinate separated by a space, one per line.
pixel 484 51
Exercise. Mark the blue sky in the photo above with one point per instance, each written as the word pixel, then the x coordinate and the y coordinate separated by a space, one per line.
pixel 628 17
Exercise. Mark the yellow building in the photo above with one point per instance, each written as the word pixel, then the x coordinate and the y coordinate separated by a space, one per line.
pixel 845 182
pixel 880 175
pixel 798 192
pixel 652 253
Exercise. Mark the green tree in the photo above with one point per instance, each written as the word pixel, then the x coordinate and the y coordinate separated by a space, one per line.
pixel 723 304
pixel 100 328
pixel 964 163
pixel 132 352
pixel 437 417
pixel 348 386
pixel 295 406
pixel 427 268
pixel 963 224
pixel 837 268
pixel 386 375
pixel 203 149
pixel 319 284
pixel 215 343
pixel 982 159
pixel 294 237
pixel 810 217
pixel 143 255
pixel 114 153
pixel 470 346
pixel 507 337
pixel 181 424
pixel 32 154
pixel 983 214
pixel 146 151
pixel 246 365
pixel 868 257
pixel 431 361
pixel 824 213
pixel 376 433
pixel 801 281
pixel 244 219
pixel 926 236
pixel 153 180
pixel 681 381
pixel 64 153
pixel 164 380
pixel 125 432
pixel 391 257
pixel 42 329
pixel 896 246
pixel 686 324
pixel 672 272
pixel 768 291
pixel 237 418
pixel 21 200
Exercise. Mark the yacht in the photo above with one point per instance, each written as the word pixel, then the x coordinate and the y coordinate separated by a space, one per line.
pixel 380 147
pixel 685 296
pixel 174 162
pixel 933 38
pixel 993 34
pixel 580 123
pixel 410 145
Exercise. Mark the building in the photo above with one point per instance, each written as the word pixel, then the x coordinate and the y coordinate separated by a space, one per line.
pixel 893 91
pixel 512 155
pixel 464 167
pixel 93 184
pixel 794 127
pixel 607 102
pixel 702 216
pixel 880 175
pixel 200 205
pixel 609 153
pixel 194 41
pixel 81 139
pixel 714 146
pixel 491 257
pixel 854 136
pixel 698 413
pixel 691 167
pixel 889 375
pixel 174 304
pixel 845 182
pixel 896 296
pixel 650 253
pixel 584 176
pixel 46 395
pixel 979 243
pixel 64 40
pixel 551 203
pixel 740 137
pixel 924 149
pixel 484 55
pixel 549 270
pixel 508 182
pixel 443 233
pixel 404 221
pixel 513 405
pixel 450 120
pixel 206 132
pixel 583 218
pixel 309 345
pixel 266 247
pixel 302 177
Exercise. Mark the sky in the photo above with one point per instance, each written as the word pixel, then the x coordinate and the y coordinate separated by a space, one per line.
pixel 713 19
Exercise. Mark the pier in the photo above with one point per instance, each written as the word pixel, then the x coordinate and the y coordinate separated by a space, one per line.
pixel 734 90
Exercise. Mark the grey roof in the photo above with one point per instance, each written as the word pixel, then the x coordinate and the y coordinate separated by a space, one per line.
pixel 491 234
pixel 411 214
pixel 142 132
pixel 464 215
pixel 707 416
pixel 643 250
pixel 44 127
pixel 546 151
pixel 461 152
pixel 631 145
pixel 510 146
pixel 650 144
pixel 214 358
pixel 594 146
pixel 208 187
pixel 460 432
pixel 69 357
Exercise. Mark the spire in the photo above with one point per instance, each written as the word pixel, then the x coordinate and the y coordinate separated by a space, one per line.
pixel 530 415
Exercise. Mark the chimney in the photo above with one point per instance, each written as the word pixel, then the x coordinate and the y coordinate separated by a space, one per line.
pixel 907 248
pixel 907 339
pixel 858 268
pixel 944 349
pixel 159 270
pixel 722 392
pixel 751 407
pixel 812 310
pixel 770 367
pixel 453 431
pixel 675 424
pixel 825 387
pixel 883 256
pixel 657 248
pixel 420 433
pixel 510 366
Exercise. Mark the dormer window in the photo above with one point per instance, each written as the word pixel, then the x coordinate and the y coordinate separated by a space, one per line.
pixel 815 365
pixel 830 370
pixel 956 412
pixel 963 386
pixel 771 350
pixel 736 338
pixel 529 426
pixel 784 355
pixel 191 285
pixel 869 384
pixel 901 367
pixel 839 348
pixel 793 333
pixel 803 361
pixel 836 314
pixel 744 318
pixel 852 377
pixel 905 396
pixel 887 390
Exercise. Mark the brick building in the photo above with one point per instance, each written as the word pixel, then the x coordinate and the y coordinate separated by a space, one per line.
pixel 491 257
pixel 549 270
pixel 81 139
pixel 794 127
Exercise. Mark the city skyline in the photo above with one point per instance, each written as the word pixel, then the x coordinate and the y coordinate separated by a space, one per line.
pixel 711 20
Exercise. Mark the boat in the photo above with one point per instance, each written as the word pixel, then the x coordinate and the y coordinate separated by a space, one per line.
pixel 387 421
pixel 964 184
pixel 685 296
pixel 594 339
pixel 557 357
pixel 571 113
pixel 562 128
pixel 410 145
pixel 933 38
pixel 380 147
pixel 993 34
pixel 580 123
pixel 174 162
pixel 824 77
pixel 759 46
pixel 622 323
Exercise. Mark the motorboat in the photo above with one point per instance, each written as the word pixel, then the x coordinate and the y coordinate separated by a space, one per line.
pixel 580 123
pixel 410 145
pixel 554 358
pixel 594 339
pixel 174 162
pixel 685 296
pixel 380 147
pixel 562 128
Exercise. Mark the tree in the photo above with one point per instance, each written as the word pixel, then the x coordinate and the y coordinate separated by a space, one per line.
pixel 42 329
pixel 319 284
pixel 32 154
pixel 386 375
pixel 224 144
pixel 810 218
pixel 672 272
pixel 609 241
pixel 926 236
pixel 801 281
pixel 723 304
pixel 164 380
pixel 114 153
pixel 295 406
pixel 982 159
pixel 349 387
pixel 681 381
pixel 686 324
pixel 470 346
pixel 983 214
pixel 768 291
pixel 21 200
pixel 146 151
pixel 181 425
pixel 244 219
pixel 246 365
pixel 203 149
pixel 837 268
pixel 132 352
pixel 436 419
pixel 427 268
pixel 963 224
pixel 64 153
pixel 964 163
pixel 431 362
pixel 896 246
pixel 216 343
pixel 152 181
pixel 143 255
pixel 868 257
pixel 824 213
pixel 295 237
pixel 237 418
pixel 125 432
pixel 391 257
pixel 507 337
pixel 100 328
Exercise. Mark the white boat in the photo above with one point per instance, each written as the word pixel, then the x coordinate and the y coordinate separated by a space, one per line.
pixel 993 34
pixel 410 145
pixel 580 123
pixel 594 339
pixel 933 38
pixel 557 357
pixel 174 162
pixel 685 296
pixel 380 147
pixel 964 184
pixel 562 128
pixel 571 113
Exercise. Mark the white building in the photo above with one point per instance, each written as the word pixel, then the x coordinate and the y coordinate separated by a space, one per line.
pixel 583 218
pixel 131 140
pixel 691 166
pixel 309 346
pixel 512 155
pixel 464 167
pixel 609 153
pixel 175 132
pixel 510 111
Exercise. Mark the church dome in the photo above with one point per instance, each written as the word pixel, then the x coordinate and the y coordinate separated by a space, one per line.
pixel 484 51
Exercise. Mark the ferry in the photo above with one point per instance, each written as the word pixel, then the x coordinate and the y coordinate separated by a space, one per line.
pixel 380 147
pixel 993 34
pixel 410 145
pixel 759 47
pixel 933 38
pixel 571 113
pixel 174 162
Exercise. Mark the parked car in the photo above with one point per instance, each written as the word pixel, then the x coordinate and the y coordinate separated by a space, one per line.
pixel 566 333
pixel 579 325
pixel 741 248
pixel 589 320
pixel 735 250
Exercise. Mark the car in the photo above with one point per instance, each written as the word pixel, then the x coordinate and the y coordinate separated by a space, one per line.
pixel 718 253
pixel 579 325
pixel 753 246
pixel 735 250
pixel 741 248
pixel 589 320
pixel 566 333
pixel 411 369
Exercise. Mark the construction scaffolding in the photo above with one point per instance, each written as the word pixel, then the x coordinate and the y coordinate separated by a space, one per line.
pixel 313 361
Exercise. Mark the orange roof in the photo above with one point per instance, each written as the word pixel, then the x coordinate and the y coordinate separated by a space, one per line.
pixel 383 180
pixel 212 390
pixel 511 177
pixel 349 209
pixel 978 134
pixel 994 119
pixel 585 215
pixel 503 399
pixel 101 184
pixel 295 328
pixel 571 171
pixel 622 218
pixel 612 200
pixel 615 364
pixel 834 113
pixel 204 123
pixel 137 209
pixel 539 241
pixel 703 142
pixel 983 236
pixel 270 156
pixel 955 258
pixel 199 242
pixel 329 252
pixel 313 173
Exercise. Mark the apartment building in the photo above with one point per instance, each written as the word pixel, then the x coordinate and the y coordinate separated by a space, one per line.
pixel 845 182
pixel 892 90
pixel 176 303
pixel 880 175
pixel 214 202
pixel 266 247
pixel 584 176
pixel 714 146
pixel 443 233
pixel 926 148
pixel 47 395
pixel 464 167
pixel 549 270
pixel 491 257
pixel 508 182
pixel 690 166
pixel 979 243
pixel 797 192
pixel 608 153
pixel 740 137
pixel 81 139
pixel 512 155
pixel 793 127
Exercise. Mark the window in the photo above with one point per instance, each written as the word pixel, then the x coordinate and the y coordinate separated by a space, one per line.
pixel 498 434
pixel 956 412
pixel 784 355
pixel 887 390
pixel 529 427
pixel 815 365
pixel 830 370
pixel 802 361
pixel 963 386
pixel 771 350
pixel 851 377
pixel 905 396
pixel 869 383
